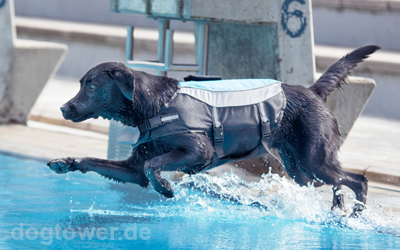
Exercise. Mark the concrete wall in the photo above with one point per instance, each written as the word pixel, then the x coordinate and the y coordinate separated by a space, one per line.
pixel 25 67
pixel 355 28
pixel 385 101
pixel 233 42
pixel 6 49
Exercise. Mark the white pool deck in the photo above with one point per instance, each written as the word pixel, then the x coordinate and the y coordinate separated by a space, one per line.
pixel 372 147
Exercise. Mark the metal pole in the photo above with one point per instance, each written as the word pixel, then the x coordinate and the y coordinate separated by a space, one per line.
pixel 205 49
pixel 199 46
pixel 129 44
pixel 169 49
pixel 163 26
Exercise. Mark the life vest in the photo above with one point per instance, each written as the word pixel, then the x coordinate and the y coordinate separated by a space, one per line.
pixel 239 116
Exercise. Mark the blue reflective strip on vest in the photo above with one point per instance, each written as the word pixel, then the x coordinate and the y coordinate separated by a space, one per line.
pixel 228 85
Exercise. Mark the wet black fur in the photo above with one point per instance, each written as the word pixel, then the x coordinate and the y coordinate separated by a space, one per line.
pixel 308 137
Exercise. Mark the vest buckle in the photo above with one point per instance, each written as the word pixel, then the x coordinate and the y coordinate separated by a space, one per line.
pixel 266 130
pixel 219 134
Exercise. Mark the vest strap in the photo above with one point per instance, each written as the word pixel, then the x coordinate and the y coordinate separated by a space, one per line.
pixel 218 134
pixel 156 121
pixel 265 125
pixel 266 138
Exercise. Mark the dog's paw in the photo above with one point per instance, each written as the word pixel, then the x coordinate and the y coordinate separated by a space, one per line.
pixel 166 192
pixel 160 184
pixel 357 209
pixel 63 165
pixel 164 188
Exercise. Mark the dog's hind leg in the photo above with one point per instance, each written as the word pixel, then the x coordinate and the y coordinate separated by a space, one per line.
pixel 359 184
pixel 293 169
pixel 172 161
pixel 302 174
pixel 337 177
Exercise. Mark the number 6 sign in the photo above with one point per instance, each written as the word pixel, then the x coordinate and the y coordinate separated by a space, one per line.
pixel 286 15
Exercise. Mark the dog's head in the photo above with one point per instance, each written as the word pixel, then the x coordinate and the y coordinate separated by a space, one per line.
pixel 106 90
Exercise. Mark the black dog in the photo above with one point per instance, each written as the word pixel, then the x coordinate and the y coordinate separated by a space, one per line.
pixel 308 136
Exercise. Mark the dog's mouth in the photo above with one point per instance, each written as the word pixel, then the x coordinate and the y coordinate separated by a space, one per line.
pixel 71 112
pixel 82 117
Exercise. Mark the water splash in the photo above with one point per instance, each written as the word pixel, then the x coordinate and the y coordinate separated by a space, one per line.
pixel 229 198
pixel 272 196
pixel 279 197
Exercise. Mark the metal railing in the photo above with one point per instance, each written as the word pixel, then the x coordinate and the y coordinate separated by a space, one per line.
pixel 165 50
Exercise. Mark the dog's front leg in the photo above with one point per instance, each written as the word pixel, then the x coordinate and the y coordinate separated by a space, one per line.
pixel 172 161
pixel 121 171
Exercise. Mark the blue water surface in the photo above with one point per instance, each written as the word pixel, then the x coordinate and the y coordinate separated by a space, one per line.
pixel 40 209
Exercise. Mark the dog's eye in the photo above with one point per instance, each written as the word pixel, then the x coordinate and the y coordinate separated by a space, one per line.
pixel 90 85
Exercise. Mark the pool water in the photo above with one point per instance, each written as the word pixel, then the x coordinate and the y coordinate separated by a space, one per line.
pixel 40 209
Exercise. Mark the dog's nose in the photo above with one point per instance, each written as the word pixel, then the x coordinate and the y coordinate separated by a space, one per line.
pixel 63 109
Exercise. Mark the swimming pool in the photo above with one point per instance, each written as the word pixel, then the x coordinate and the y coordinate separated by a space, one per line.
pixel 41 209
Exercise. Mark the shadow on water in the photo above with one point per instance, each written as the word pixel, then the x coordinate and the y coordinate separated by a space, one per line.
pixel 206 212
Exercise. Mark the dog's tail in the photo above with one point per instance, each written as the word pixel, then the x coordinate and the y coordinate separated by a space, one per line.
pixel 337 73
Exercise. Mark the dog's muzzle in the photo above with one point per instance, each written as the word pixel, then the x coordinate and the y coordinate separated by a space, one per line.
pixel 69 111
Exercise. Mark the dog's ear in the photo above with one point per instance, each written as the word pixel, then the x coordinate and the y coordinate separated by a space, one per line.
pixel 124 78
